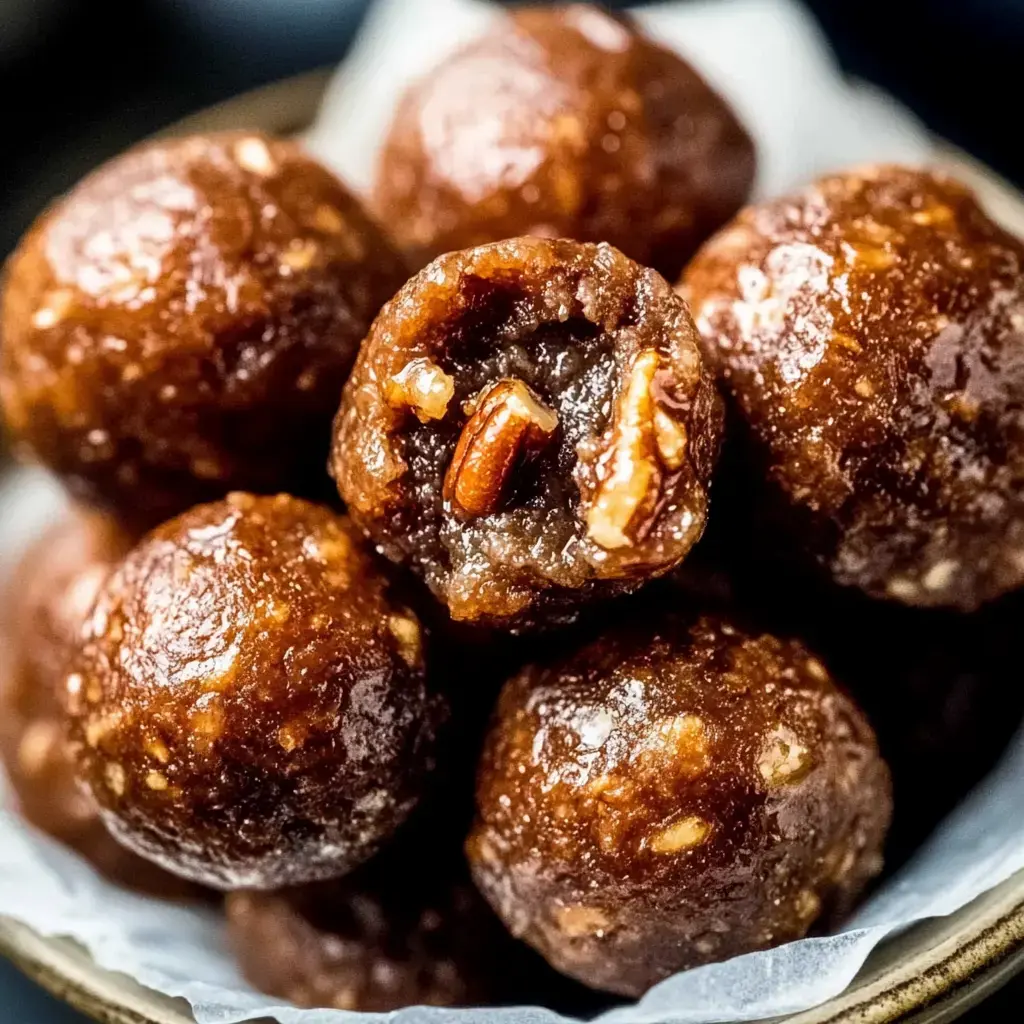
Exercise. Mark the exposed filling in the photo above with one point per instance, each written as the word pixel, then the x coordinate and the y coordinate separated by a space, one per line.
pixel 501 409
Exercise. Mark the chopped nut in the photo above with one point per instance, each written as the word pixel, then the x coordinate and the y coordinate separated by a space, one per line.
pixel 207 725
pixel 864 387
pixel 670 436
pixel 676 746
pixel 611 789
pixel 578 921
pixel 114 776
pixel 902 588
pixel 298 256
pixel 941 574
pixel 422 386
pixel 157 749
pixel 630 473
pixel 253 156
pixel 816 669
pixel 509 424
pixel 406 630
pixel 684 834
pixel 784 758
pixel 157 781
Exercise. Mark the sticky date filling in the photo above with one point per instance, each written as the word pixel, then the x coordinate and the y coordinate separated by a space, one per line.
pixel 564 373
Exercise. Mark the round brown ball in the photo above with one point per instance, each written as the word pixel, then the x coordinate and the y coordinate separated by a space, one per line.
pixel 868 330
pixel 675 794
pixel 182 323
pixel 250 708
pixel 530 426
pixel 49 596
pixel 563 122
pixel 383 938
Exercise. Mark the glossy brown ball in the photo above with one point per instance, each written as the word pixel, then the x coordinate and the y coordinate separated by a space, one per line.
pixel 390 935
pixel 250 708
pixel 563 122
pixel 183 322
pixel 674 794
pixel 869 331
pixel 49 597
pixel 530 426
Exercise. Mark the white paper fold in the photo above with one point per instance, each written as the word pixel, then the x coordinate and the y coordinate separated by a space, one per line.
pixel 769 59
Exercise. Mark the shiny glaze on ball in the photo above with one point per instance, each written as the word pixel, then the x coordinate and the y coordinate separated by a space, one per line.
pixel 181 324
pixel 563 122
pixel 250 708
pixel 869 330
pixel 675 793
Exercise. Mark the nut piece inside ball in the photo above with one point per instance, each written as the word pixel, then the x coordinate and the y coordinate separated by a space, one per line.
pixel 250 707
pixel 868 330
pixel 563 122
pixel 182 323
pixel 673 794
pixel 529 426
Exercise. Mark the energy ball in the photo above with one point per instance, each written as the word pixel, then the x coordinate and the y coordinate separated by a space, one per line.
pixel 868 330
pixel 673 794
pixel 250 708
pixel 49 597
pixel 383 938
pixel 563 122
pixel 183 322
pixel 529 426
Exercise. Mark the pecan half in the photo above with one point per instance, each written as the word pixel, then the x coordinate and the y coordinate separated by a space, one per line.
pixel 644 440
pixel 508 424
pixel 421 385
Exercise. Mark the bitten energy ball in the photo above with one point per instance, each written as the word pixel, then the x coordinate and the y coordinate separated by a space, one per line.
pixel 530 425
pixel 869 330
pixel 49 596
pixel 671 795
pixel 183 322
pixel 563 122
pixel 250 709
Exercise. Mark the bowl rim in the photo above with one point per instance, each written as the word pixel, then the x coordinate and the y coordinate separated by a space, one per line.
pixel 936 983
pixel 930 974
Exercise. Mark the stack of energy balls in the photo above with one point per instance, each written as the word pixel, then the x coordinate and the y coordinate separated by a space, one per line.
pixel 222 677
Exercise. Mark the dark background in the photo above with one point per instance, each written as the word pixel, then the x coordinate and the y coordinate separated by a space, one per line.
pixel 81 79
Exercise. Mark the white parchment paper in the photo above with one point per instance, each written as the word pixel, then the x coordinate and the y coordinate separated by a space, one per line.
pixel 773 65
